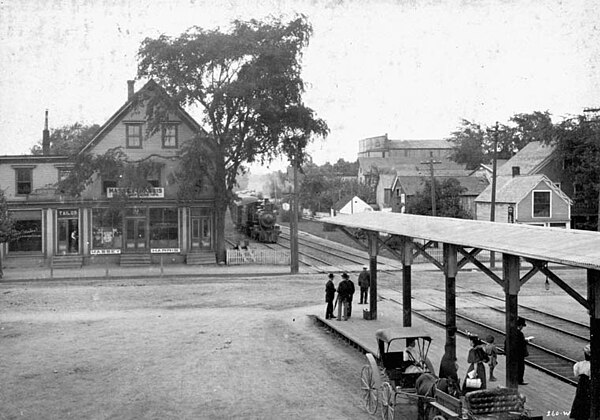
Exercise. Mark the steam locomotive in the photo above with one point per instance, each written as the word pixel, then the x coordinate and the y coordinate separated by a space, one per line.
pixel 256 218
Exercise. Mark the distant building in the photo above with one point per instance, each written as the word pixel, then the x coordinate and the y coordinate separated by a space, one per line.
pixel 355 205
pixel 528 199
pixel 144 224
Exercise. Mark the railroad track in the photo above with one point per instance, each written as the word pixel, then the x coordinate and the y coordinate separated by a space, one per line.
pixel 542 358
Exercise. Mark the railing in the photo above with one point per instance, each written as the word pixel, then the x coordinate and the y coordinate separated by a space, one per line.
pixel 257 256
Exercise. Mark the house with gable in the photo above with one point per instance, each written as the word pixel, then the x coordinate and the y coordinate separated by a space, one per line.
pixel 527 199
pixel 537 158
pixel 145 226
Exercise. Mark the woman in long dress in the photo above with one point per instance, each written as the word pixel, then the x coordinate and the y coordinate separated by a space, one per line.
pixel 475 378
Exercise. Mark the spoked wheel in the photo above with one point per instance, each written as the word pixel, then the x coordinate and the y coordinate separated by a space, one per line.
pixel 438 417
pixel 388 401
pixel 369 390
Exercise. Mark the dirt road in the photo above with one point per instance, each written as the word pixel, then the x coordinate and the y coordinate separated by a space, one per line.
pixel 159 349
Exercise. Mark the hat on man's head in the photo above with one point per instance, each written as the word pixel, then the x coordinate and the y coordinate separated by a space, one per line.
pixel 364 267
pixel 330 275
pixel 587 350
pixel 521 322
pixel 345 275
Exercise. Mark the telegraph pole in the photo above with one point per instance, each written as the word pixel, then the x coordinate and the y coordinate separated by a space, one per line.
pixel 294 266
pixel 493 209
pixel 432 162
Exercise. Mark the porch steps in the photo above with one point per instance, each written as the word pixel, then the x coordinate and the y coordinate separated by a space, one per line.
pixel 67 261
pixel 201 258
pixel 135 260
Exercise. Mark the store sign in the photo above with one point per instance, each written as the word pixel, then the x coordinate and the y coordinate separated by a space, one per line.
pixel 165 250
pixel 151 192
pixel 105 251
pixel 67 213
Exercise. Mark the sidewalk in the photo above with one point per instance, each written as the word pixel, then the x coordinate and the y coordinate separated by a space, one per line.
pixel 544 393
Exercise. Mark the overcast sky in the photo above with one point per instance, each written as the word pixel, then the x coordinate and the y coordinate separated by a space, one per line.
pixel 412 69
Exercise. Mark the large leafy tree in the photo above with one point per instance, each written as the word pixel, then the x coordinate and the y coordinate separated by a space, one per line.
pixel 474 143
pixel 7 229
pixel 447 197
pixel 247 83
pixel 68 139
pixel 577 142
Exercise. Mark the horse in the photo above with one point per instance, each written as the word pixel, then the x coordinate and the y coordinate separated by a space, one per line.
pixel 427 384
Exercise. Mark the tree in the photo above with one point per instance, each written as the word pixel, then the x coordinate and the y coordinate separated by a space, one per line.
pixel 68 139
pixel 577 142
pixel 474 143
pixel 248 85
pixel 7 229
pixel 447 197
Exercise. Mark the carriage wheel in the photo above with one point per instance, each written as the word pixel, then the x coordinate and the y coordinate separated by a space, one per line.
pixel 369 391
pixel 388 401
pixel 438 417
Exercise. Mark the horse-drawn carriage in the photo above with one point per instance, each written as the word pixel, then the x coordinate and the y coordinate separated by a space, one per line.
pixel 393 378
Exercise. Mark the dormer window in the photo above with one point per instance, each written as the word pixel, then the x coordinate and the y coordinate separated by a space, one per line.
pixel 169 136
pixel 133 133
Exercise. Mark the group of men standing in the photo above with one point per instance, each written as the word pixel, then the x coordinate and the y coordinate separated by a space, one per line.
pixel 345 291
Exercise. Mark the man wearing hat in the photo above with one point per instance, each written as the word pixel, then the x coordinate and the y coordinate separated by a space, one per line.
pixel 345 292
pixel 364 281
pixel 521 350
pixel 329 296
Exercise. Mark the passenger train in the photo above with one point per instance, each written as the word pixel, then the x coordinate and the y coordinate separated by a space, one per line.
pixel 256 218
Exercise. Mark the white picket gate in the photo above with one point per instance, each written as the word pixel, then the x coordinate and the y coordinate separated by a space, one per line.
pixel 257 256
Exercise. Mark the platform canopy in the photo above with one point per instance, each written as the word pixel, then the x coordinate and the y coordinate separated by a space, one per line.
pixel 577 248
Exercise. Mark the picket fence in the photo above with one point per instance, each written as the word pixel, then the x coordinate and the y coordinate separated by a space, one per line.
pixel 258 256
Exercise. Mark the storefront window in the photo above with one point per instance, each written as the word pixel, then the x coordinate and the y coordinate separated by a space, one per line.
pixel 29 236
pixel 163 228
pixel 107 228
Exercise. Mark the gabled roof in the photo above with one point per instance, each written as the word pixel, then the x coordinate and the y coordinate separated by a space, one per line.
pixel 530 159
pixel 511 189
pixel 473 185
pixel 408 166
pixel 387 180
pixel 150 86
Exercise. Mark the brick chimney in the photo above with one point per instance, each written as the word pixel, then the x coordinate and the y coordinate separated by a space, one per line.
pixel 130 89
pixel 516 171
pixel 46 137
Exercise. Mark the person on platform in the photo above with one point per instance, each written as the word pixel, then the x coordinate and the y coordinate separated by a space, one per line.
pixel 351 291
pixel 343 298
pixel 364 282
pixel 582 401
pixel 492 352
pixel 329 296
pixel 475 378
pixel 521 350
pixel 449 366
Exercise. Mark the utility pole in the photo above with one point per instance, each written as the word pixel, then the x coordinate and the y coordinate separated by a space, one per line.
pixel 432 162
pixel 493 209
pixel 294 222
pixel 594 115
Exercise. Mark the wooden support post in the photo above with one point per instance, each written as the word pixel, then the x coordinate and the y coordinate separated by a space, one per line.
pixel 510 268
pixel 373 240
pixel 407 257
pixel 450 271
pixel 593 280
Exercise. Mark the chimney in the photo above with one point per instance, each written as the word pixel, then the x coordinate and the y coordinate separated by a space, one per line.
pixel 130 89
pixel 516 171
pixel 46 137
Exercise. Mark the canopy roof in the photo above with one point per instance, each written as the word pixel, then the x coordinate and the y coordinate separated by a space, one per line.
pixel 578 248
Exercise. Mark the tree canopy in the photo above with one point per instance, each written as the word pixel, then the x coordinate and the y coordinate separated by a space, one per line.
pixel 247 82
pixel 68 139
pixel 447 197
pixel 474 143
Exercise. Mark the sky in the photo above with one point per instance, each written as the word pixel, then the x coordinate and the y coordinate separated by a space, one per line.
pixel 407 68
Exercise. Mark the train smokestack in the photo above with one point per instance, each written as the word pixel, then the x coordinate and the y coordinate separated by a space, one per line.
pixel 46 137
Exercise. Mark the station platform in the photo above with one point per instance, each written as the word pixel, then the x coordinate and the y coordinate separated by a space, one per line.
pixel 546 396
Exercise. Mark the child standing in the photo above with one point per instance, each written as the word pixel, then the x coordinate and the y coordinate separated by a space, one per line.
pixel 492 352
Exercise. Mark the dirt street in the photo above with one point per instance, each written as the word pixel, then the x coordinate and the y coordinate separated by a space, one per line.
pixel 161 349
